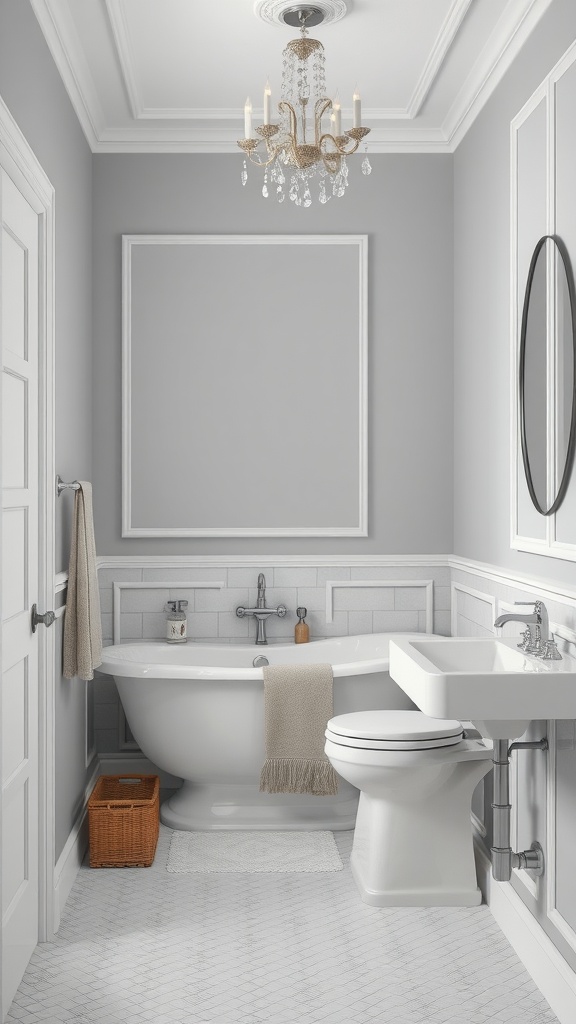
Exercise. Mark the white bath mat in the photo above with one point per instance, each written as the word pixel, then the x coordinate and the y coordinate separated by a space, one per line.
pixel 252 851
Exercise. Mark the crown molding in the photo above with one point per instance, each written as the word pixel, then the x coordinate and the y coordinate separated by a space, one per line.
pixel 119 29
pixel 490 68
pixel 189 130
pixel 437 56
pixel 64 45
pixel 205 138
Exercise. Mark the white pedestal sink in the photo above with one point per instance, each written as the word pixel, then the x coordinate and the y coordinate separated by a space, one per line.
pixel 487 681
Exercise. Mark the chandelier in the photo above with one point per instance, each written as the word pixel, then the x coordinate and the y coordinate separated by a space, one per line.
pixel 300 147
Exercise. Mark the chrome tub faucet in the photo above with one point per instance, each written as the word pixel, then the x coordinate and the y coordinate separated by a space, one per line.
pixel 261 612
pixel 536 641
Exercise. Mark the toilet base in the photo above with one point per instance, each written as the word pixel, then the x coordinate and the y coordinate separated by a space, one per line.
pixel 413 838
pixel 416 897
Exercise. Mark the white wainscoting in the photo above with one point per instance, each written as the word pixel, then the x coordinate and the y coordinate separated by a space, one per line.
pixel 426 585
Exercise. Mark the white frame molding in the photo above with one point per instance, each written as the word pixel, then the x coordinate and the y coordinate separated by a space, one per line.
pixel 18 159
pixel 358 529
pixel 428 585
pixel 546 92
pixel 117 589
pixel 462 588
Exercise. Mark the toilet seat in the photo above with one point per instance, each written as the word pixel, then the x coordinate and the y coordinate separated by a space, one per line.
pixel 393 730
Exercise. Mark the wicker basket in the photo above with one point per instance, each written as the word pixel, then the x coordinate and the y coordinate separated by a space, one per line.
pixel 123 818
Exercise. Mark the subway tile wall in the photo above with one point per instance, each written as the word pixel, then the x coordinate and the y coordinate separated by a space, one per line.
pixel 212 611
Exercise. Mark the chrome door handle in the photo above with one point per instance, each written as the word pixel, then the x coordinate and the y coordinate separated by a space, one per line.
pixel 41 620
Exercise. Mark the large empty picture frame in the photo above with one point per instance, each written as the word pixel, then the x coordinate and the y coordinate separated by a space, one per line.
pixel 244 386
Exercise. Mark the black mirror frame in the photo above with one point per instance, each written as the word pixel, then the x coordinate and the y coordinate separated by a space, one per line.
pixel 521 377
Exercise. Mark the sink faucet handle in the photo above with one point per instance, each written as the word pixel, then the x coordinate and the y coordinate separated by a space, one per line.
pixel 526 639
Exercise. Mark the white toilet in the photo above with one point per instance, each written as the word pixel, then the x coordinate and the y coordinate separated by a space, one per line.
pixel 416 775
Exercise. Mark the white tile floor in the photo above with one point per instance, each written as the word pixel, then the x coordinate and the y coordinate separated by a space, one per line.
pixel 142 945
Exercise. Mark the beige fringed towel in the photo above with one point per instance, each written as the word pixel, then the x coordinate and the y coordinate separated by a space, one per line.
pixel 82 624
pixel 297 704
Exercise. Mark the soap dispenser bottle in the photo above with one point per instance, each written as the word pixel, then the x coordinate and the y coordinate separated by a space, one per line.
pixel 301 629
pixel 176 622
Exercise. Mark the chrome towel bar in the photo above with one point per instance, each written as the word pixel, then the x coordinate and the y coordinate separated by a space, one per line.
pixel 61 486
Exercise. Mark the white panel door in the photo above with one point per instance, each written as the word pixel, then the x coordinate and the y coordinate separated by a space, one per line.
pixel 19 307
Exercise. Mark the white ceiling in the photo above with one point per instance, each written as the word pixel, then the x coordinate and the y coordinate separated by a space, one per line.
pixel 173 75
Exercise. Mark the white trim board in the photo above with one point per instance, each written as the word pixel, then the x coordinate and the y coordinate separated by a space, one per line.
pixel 70 860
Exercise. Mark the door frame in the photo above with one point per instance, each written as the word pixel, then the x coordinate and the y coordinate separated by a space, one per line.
pixel 21 164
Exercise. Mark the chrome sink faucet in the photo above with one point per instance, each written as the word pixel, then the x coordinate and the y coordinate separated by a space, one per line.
pixel 261 612
pixel 537 640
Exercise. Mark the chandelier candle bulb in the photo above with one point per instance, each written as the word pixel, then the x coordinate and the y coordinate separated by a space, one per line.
pixel 357 110
pixel 248 119
pixel 337 114
pixel 267 102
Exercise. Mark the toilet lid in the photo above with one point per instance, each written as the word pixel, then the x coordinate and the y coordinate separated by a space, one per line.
pixel 393 730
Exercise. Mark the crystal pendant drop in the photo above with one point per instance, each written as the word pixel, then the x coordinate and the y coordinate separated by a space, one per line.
pixel 366 166
pixel 244 175
pixel 265 185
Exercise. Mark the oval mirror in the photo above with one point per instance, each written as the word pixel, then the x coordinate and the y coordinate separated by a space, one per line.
pixel 547 375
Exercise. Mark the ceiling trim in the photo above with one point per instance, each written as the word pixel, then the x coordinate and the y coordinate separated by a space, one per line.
pixel 121 39
pixel 437 55
pixel 213 140
pixel 490 68
pixel 63 40
pixel 196 136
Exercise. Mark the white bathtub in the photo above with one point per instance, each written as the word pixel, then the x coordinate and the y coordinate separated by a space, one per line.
pixel 197 711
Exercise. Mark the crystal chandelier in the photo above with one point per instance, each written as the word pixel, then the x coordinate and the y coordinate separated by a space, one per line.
pixel 299 148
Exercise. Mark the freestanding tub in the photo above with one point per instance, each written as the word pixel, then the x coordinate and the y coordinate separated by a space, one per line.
pixel 197 711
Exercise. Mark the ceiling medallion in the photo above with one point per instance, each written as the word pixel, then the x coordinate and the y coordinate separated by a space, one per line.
pixel 278 12
pixel 297 151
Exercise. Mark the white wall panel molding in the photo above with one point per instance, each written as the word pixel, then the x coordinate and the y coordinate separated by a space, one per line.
pixel 548 542
pixel 461 588
pixel 539 587
pixel 545 964
pixel 555 917
pixel 281 519
pixel 118 589
pixel 426 585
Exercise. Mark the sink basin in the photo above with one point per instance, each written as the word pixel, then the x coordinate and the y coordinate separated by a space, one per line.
pixel 487 681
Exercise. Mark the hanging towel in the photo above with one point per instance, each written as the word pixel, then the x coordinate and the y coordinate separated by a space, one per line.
pixel 82 624
pixel 297 706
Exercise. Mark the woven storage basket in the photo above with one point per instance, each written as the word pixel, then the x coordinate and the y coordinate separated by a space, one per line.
pixel 123 819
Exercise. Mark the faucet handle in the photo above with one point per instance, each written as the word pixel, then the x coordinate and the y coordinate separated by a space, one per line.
pixel 551 652
pixel 526 602
pixel 526 639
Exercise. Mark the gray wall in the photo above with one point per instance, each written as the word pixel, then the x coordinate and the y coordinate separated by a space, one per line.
pixel 33 91
pixel 482 311
pixel 482 432
pixel 405 207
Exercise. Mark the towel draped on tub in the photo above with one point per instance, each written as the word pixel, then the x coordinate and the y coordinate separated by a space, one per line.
pixel 297 705
pixel 82 623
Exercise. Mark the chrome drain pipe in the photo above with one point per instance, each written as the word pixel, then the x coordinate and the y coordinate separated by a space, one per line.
pixel 502 855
